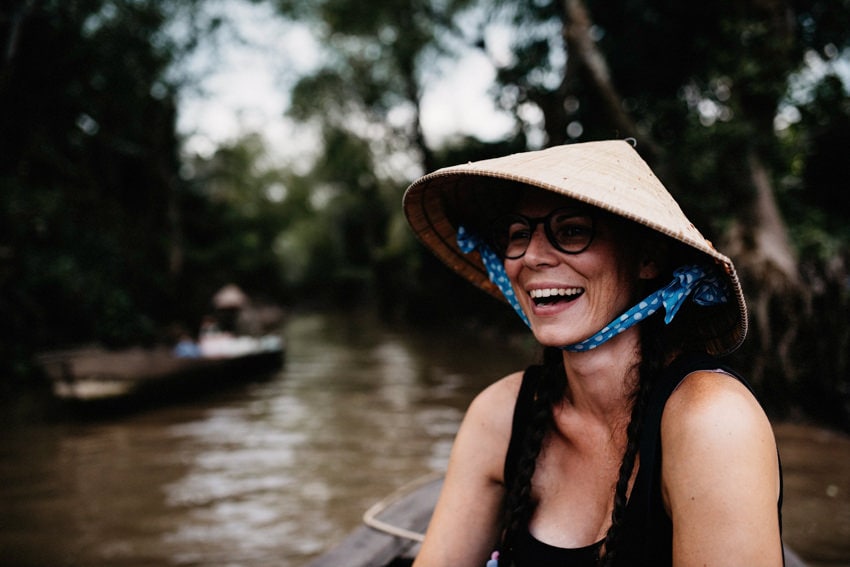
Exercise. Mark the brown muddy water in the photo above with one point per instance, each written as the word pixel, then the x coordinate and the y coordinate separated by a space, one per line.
pixel 274 472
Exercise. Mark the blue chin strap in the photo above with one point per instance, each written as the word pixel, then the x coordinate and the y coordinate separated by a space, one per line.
pixel 467 241
pixel 701 282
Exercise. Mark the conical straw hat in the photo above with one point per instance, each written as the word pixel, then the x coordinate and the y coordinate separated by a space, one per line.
pixel 609 175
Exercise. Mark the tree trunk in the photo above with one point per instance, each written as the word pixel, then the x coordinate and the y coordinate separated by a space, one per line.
pixel 582 49
pixel 775 293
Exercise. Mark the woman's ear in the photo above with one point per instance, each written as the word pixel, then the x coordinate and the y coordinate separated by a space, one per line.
pixel 649 269
pixel 653 257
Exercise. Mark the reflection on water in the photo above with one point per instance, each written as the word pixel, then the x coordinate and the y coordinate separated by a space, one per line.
pixel 275 472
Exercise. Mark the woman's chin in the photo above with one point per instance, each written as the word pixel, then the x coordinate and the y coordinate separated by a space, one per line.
pixel 555 338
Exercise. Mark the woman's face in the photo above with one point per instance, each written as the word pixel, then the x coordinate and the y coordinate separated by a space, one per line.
pixel 569 297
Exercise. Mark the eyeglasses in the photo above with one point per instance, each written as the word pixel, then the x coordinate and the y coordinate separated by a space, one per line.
pixel 569 230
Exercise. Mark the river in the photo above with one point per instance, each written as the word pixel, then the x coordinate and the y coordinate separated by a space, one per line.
pixel 273 472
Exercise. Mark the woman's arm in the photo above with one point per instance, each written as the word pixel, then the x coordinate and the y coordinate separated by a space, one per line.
pixel 720 475
pixel 465 525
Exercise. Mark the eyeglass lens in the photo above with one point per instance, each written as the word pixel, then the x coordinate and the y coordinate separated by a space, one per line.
pixel 569 230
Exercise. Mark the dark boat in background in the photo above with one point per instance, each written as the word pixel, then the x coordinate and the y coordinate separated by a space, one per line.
pixel 94 377
pixel 239 340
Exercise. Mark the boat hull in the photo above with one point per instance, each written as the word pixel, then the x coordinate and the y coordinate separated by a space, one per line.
pixel 100 377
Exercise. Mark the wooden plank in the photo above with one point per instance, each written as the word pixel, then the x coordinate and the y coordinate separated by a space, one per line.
pixel 369 547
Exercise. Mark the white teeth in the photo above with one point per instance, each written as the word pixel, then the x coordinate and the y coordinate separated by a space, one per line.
pixel 558 291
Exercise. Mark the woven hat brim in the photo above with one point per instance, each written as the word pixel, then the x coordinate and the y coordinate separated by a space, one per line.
pixel 609 175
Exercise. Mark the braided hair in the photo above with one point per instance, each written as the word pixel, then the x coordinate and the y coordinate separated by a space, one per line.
pixel 649 369
pixel 658 341
pixel 519 503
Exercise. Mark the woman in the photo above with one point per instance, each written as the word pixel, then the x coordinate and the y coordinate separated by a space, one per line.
pixel 562 464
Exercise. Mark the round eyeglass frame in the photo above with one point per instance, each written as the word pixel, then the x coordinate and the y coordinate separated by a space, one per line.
pixel 501 241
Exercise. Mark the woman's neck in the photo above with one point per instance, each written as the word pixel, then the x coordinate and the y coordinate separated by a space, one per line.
pixel 601 383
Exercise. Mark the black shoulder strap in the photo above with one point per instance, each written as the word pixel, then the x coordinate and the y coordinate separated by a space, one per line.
pixel 671 377
pixel 522 416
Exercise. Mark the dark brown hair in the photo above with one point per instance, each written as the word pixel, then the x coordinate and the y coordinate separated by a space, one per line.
pixel 658 343
pixel 519 503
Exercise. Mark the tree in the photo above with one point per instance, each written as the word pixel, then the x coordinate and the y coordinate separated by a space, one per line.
pixel 232 214
pixel 700 86
pixel 93 234
pixel 366 101
pixel 377 59
pixel 88 134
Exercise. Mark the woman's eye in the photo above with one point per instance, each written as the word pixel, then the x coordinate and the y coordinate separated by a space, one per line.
pixel 572 228
pixel 518 232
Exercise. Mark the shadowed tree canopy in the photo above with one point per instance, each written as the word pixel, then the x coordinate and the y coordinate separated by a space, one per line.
pixel 107 232
pixel 88 136
pixel 97 222
pixel 705 88
pixel 377 59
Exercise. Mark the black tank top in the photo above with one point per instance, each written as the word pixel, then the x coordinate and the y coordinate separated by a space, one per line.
pixel 531 552
pixel 647 532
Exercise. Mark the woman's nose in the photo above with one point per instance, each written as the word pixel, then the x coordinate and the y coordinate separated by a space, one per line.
pixel 540 251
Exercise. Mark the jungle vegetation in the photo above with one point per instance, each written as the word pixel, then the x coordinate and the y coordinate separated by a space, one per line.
pixel 111 232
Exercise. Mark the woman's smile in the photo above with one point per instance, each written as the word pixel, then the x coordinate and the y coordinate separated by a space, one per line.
pixel 551 295
pixel 570 296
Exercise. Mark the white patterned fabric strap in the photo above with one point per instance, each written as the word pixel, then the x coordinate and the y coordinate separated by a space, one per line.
pixel 707 288
pixel 467 241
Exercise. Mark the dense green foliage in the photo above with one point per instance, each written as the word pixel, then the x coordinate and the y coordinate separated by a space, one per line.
pixel 101 238
pixel 109 233
pixel 88 139
pixel 738 105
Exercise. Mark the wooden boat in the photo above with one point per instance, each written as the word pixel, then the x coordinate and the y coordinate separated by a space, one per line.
pixel 394 527
pixel 97 376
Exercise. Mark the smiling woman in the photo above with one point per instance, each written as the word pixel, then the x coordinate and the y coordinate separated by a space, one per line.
pixel 561 464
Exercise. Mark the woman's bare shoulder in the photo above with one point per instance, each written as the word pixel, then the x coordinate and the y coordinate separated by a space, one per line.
pixel 720 473
pixel 713 409
pixel 705 396
pixel 504 390
pixel 465 524
pixel 493 408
